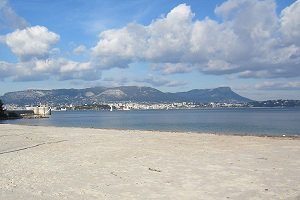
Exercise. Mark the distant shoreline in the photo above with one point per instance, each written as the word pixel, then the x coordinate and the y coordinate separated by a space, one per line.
pixel 166 131
pixel 255 122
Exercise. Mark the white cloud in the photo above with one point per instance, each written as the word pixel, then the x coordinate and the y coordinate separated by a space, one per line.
pixel 32 42
pixel 290 23
pixel 167 37
pixel 8 17
pixel 171 68
pixel 137 42
pixel 220 66
pixel 5 69
pixel 117 48
pixel 157 81
pixel 271 85
pixel 251 40
pixel 42 69
pixel 116 79
pixel 39 61
pixel 81 49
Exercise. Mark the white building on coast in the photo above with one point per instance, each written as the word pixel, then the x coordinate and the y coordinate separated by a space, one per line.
pixel 40 110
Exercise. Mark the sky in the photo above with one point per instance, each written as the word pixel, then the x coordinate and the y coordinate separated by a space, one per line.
pixel 252 46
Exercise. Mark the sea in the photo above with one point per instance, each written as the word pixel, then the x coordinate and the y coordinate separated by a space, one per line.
pixel 240 121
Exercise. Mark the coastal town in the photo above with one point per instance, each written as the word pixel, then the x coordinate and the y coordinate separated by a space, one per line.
pixel 125 106
pixel 153 106
pixel 44 110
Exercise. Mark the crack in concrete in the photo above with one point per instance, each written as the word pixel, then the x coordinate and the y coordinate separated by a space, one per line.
pixel 30 147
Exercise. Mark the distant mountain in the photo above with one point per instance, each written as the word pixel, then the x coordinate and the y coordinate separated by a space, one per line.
pixel 221 94
pixel 120 94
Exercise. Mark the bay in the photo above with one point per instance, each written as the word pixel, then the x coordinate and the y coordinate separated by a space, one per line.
pixel 242 121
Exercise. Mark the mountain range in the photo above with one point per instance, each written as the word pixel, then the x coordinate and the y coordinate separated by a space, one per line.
pixel 120 94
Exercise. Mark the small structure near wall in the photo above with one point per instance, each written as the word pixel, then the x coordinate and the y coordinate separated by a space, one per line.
pixel 17 114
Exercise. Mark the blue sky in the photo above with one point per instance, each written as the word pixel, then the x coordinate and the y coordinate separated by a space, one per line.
pixel 253 46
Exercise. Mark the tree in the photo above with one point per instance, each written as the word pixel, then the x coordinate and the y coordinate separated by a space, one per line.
pixel 2 114
pixel 1 107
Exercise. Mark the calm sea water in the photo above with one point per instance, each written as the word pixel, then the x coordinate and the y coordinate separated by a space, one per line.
pixel 250 121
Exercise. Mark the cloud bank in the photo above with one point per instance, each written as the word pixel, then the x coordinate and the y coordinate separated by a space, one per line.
pixel 271 85
pixel 33 47
pixel 250 41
